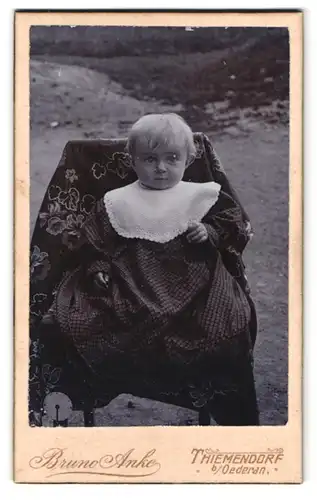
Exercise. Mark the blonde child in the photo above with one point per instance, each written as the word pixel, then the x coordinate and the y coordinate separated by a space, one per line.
pixel 152 293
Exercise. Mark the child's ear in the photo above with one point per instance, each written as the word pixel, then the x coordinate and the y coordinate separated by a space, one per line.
pixel 131 162
pixel 191 158
pixel 129 156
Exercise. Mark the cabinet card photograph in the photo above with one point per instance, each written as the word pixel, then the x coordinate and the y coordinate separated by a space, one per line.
pixel 158 241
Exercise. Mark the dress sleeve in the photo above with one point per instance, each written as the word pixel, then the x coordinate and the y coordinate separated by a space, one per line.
pixel 226 224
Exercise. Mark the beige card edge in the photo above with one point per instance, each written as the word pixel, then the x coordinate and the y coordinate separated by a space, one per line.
pixel 160 454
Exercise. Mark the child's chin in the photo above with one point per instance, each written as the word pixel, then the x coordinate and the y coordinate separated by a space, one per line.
pixel 161 184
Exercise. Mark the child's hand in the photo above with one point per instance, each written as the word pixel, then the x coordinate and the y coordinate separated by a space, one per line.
pixel 197 233
pixel 101 279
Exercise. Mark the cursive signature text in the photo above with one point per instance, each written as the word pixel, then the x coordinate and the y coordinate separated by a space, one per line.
pixel 57 461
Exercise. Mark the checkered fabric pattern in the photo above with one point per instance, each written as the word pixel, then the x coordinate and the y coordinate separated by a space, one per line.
pixel 171 303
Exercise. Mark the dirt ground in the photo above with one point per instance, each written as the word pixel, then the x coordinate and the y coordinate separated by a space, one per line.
pixel 70 102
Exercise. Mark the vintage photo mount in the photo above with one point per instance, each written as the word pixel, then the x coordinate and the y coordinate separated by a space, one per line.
pixel 268 454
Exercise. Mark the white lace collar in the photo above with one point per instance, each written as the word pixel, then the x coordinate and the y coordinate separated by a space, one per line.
pixel 159 215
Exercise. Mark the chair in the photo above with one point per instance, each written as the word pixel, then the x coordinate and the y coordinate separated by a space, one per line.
pixel 87 170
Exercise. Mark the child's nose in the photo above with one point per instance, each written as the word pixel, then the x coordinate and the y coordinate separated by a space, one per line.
pixel 161 167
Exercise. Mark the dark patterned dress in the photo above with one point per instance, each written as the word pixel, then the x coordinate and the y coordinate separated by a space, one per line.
pixel 168 307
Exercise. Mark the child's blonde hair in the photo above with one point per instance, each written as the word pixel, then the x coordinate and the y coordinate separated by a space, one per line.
pixel 169 129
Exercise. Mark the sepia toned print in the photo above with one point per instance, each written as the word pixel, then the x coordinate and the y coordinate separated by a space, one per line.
pixel 81 112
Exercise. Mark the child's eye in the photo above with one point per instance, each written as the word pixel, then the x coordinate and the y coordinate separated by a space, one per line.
pixel 149 159
pixel 172 158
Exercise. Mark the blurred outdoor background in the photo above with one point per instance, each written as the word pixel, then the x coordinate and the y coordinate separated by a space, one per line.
pixel 230 83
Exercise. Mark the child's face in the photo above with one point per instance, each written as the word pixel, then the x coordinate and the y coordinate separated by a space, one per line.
pixel 161 168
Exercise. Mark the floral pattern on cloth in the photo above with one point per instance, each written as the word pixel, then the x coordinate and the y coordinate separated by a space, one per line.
pixel 119 164
pixel 39 265
pixel 38 299
pixel 87 170
pixel 62 216
pixel 70 175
